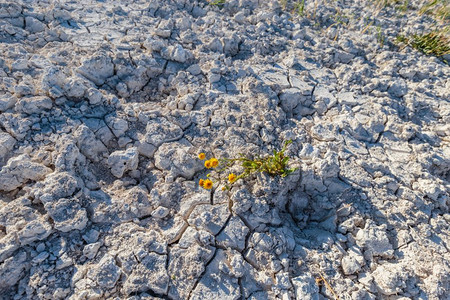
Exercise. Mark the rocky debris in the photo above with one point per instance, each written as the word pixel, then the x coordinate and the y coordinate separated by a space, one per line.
pixel 67 214
pixel 105 107
pixel 106 274
pixel 217 283
pixel 122 161
pixel 19 170
pixel 390 279
pixel 178 158
pixel 305 287
pixel 12 270
pixel 150 273
pixel 7 143
pixel 158 131
pixel 233 235
pixel 97 68
pixel 374 240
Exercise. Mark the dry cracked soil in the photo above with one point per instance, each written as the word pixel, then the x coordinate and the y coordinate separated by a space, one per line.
pixel 104 106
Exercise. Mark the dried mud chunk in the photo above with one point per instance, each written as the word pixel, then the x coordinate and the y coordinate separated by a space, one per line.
pixel 216 284
pixel 6 102
pixel 7 143
pixel 12 270
pixel 375 240
pixel 178 158
pixel 88 144
pixel 34 105
pixel 122 161
pixel 67 214
pixel 19 170
pixel 150 273
pixel 97 68
pixel 185 267
pixel 210 218
pixel 234 234
pixel 105 273
pixel 390 279
pixel 306 287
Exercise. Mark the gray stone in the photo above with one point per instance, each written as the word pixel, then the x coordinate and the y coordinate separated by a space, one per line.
pixel 324 99
pixel 398 88
pixel 179 54
pixel 150 273
pixel 374 240
pixel 12 270
pixel 122 161
pixel 67 214
pixel 97 68
pixel 34 25
pixel 305 287
pixel 91 250
pixel 179 158
pixel 105 273
pixel 233 235
pixel 186 266
pixel 6 102
pixel 290 98
pixel 7 143
pixel 390 279
pixel 19 170
pixel 350 265
pixel 209 217
pixel 34 105
pixel 215 284
pixel 88 143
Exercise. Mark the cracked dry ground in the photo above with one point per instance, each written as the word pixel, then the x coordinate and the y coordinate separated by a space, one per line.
pixel 104 106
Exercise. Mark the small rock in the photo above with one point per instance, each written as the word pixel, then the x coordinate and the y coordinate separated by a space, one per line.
pixel 178 158
pixel 305 287
pixel 34 25
pixel 234 234
pixel 40 258
pixel 150 273
pixel 91 250
pixel 160 213
pixel 179 54
pixel 375 241
pixel 67 214
pixel 105 273
pixel 97 68
pixel 398 88
pixel 122 161
pixel 390 278
pixel 350 265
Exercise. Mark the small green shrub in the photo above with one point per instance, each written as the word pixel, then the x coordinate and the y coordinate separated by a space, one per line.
pixel 216 2
pixel 433 43
pixel 273 165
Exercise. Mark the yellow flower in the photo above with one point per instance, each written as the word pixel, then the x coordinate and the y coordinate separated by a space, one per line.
pixel 201 182
pixel 232 177
pixel 214 162
pixel 202 156
pixel 208 164
pixel 207 184
pixel 224 188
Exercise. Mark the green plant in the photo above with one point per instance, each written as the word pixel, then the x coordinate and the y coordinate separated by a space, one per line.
pixel 404 6
pixel 380 36
pixel 273 165
pixel 299 7
pixel 216 2
pixel 433 43
pixel 440 9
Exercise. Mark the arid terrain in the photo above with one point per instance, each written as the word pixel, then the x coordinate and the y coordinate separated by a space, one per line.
pixel 105 105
